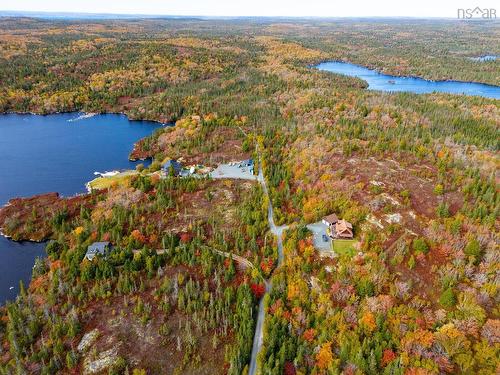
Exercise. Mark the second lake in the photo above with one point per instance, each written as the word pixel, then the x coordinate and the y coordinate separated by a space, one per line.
pixel 384 82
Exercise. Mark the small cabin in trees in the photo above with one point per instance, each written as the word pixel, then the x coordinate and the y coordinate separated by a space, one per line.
pixel 172 166
pixel 97 248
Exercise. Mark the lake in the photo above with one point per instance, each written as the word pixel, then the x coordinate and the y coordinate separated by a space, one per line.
pixel 384 82
pixel 485 58
pixel 60 153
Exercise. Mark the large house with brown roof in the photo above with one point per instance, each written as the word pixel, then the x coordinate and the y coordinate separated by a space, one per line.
pixel 343 229
pixel 338 228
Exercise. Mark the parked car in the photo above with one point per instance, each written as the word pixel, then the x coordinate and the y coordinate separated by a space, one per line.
pixel 325 238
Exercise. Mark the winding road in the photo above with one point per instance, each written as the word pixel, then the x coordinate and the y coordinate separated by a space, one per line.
pixel 278 232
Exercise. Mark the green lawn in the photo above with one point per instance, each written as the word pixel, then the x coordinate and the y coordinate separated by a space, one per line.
pixel 101 183
pixel 344 247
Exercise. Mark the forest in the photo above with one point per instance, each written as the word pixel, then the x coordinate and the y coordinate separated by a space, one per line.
pixel 416 175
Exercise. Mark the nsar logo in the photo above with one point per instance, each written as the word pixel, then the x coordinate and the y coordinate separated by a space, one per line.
pixel 477 13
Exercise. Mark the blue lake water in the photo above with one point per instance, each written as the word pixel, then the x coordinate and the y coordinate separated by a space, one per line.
pixel 16 263
pixel 485 58
pixel 384 82
pixel 59 153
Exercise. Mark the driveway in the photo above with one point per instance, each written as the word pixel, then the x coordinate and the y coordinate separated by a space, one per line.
pixel 318 230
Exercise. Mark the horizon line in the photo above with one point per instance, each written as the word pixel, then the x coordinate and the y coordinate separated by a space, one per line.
pixel 149 15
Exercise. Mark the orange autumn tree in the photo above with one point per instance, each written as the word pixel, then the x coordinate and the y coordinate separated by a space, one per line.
pixel 324 358
pixel 138 236
pixel 387 357
pixel 309 334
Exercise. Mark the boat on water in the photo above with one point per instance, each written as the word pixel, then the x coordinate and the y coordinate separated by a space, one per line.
pixel 392 82
pixel 82 116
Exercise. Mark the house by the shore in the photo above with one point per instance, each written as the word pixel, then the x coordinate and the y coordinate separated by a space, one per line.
pixel 172 166
pixel 97 248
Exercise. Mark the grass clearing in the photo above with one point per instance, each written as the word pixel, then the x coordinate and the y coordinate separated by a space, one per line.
pixel 102 183
pixel 344 247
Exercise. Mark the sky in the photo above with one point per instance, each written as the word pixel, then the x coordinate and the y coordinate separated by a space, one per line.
pixel 293 8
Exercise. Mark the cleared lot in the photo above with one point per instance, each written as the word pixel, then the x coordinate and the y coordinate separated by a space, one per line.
pixel 232 171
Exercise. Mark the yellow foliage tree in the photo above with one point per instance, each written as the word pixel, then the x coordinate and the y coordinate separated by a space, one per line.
pixel 324 358
pixel 368 321
pixel 452 339
pixel 293 291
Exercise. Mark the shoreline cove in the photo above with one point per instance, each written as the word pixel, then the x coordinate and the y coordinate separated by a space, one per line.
pixel 65 155
pixel 87 115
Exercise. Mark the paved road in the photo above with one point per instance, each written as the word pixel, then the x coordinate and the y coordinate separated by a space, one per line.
pixel 278 232
pixel 258 337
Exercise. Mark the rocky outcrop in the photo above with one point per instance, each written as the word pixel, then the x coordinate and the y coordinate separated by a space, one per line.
pixel 104 361
pixel 32 218
pixel 87 340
